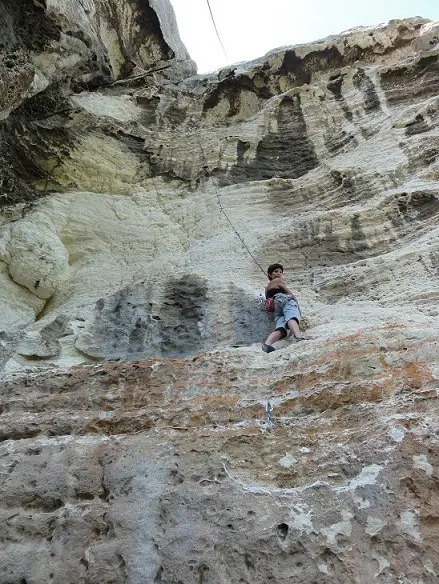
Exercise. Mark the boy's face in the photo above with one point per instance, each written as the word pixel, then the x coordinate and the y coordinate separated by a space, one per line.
pixel 277 273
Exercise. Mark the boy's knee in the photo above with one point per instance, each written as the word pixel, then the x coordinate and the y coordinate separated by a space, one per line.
pixel 282 332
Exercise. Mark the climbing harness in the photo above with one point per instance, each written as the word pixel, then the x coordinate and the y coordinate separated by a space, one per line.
pixel 269 304
pixel 266 303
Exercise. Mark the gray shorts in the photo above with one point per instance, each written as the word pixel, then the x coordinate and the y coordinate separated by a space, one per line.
pixel 285 308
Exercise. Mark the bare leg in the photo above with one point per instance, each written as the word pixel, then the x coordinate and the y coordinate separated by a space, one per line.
pixel 273 337
pixel 294 328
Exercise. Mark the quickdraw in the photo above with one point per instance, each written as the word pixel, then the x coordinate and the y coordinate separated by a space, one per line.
pixel 268 410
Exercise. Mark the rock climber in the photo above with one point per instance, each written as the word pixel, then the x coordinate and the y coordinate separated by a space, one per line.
pixel 286 308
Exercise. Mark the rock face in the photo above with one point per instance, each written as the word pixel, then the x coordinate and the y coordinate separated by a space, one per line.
pixel 322 156
pixel 124 178
pixel 167 470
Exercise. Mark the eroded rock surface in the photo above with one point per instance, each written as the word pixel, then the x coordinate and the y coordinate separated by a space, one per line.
pixel 167 470
pixel 135 443
pixel 323 156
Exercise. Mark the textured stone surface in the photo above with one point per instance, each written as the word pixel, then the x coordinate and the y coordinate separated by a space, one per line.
pixel 324 156
pixel 134 441
pixel 166 470
pixel 51 47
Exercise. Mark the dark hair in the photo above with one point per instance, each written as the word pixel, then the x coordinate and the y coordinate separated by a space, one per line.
pixel 273 267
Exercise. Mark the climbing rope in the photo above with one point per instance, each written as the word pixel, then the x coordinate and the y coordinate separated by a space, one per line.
pixel 216 30
pixel 236 232
pixel 220 205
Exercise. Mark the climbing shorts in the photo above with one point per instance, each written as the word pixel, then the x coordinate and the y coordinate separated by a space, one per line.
pixel 285 308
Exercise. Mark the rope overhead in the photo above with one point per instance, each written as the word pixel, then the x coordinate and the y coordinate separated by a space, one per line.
pixel 216 30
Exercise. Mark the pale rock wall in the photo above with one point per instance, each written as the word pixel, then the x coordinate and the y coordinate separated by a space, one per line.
pixel 323 156
pixel 51 47
pixel 116 169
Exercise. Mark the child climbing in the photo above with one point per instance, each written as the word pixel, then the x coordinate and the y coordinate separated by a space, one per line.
pixel 286 308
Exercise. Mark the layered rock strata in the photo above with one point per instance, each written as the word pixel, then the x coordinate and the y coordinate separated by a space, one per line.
pixel 136 445
pixel 168 470
pixel 323 157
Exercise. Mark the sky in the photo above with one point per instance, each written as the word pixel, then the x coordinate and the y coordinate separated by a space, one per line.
pixel 250 28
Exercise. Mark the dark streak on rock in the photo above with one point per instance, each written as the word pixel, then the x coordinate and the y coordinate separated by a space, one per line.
pixel 418 126
pixel 359 240
pixel 336 140
pixel 25 25
pixel 364 84
pixel 420 205
pixel 31 135
pixel 241 149
pixel 434 260
pixel 135 144
pixel 322 60
pixel 232 89
pixel 149 107
pixel 294 65
pixel 287 153
pixel 127 325
pixel 175 115
pixel 16 77
pixel 148 36
pixel 185 308
pixel 411 82
pixel 300 70
pixel 44 105
pixel 422 158
pixel 334 85
pixel 149 25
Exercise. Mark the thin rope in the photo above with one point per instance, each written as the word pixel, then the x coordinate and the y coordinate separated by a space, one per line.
pixel 225 214
pixel 236 232
pixel 223 211
pixel 216 30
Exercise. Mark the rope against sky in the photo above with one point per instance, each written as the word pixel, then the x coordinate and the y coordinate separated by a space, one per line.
pixel 215 186
pixel 216 30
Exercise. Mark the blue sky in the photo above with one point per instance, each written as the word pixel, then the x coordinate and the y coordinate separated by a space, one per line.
pixel 251 28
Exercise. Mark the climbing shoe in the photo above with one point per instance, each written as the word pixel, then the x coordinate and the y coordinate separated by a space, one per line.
pixel 267 348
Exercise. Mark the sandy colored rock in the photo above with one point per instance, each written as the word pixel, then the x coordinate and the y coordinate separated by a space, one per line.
pixel 321 155
pixel 168 468
pixel 145 437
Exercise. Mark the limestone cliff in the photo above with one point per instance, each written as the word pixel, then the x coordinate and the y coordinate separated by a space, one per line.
pixel 136 445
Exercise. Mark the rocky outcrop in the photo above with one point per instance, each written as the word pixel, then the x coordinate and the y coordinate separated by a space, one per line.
pixel 322 155
pixel 137 439
pixel 51 48
pixel 169 470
